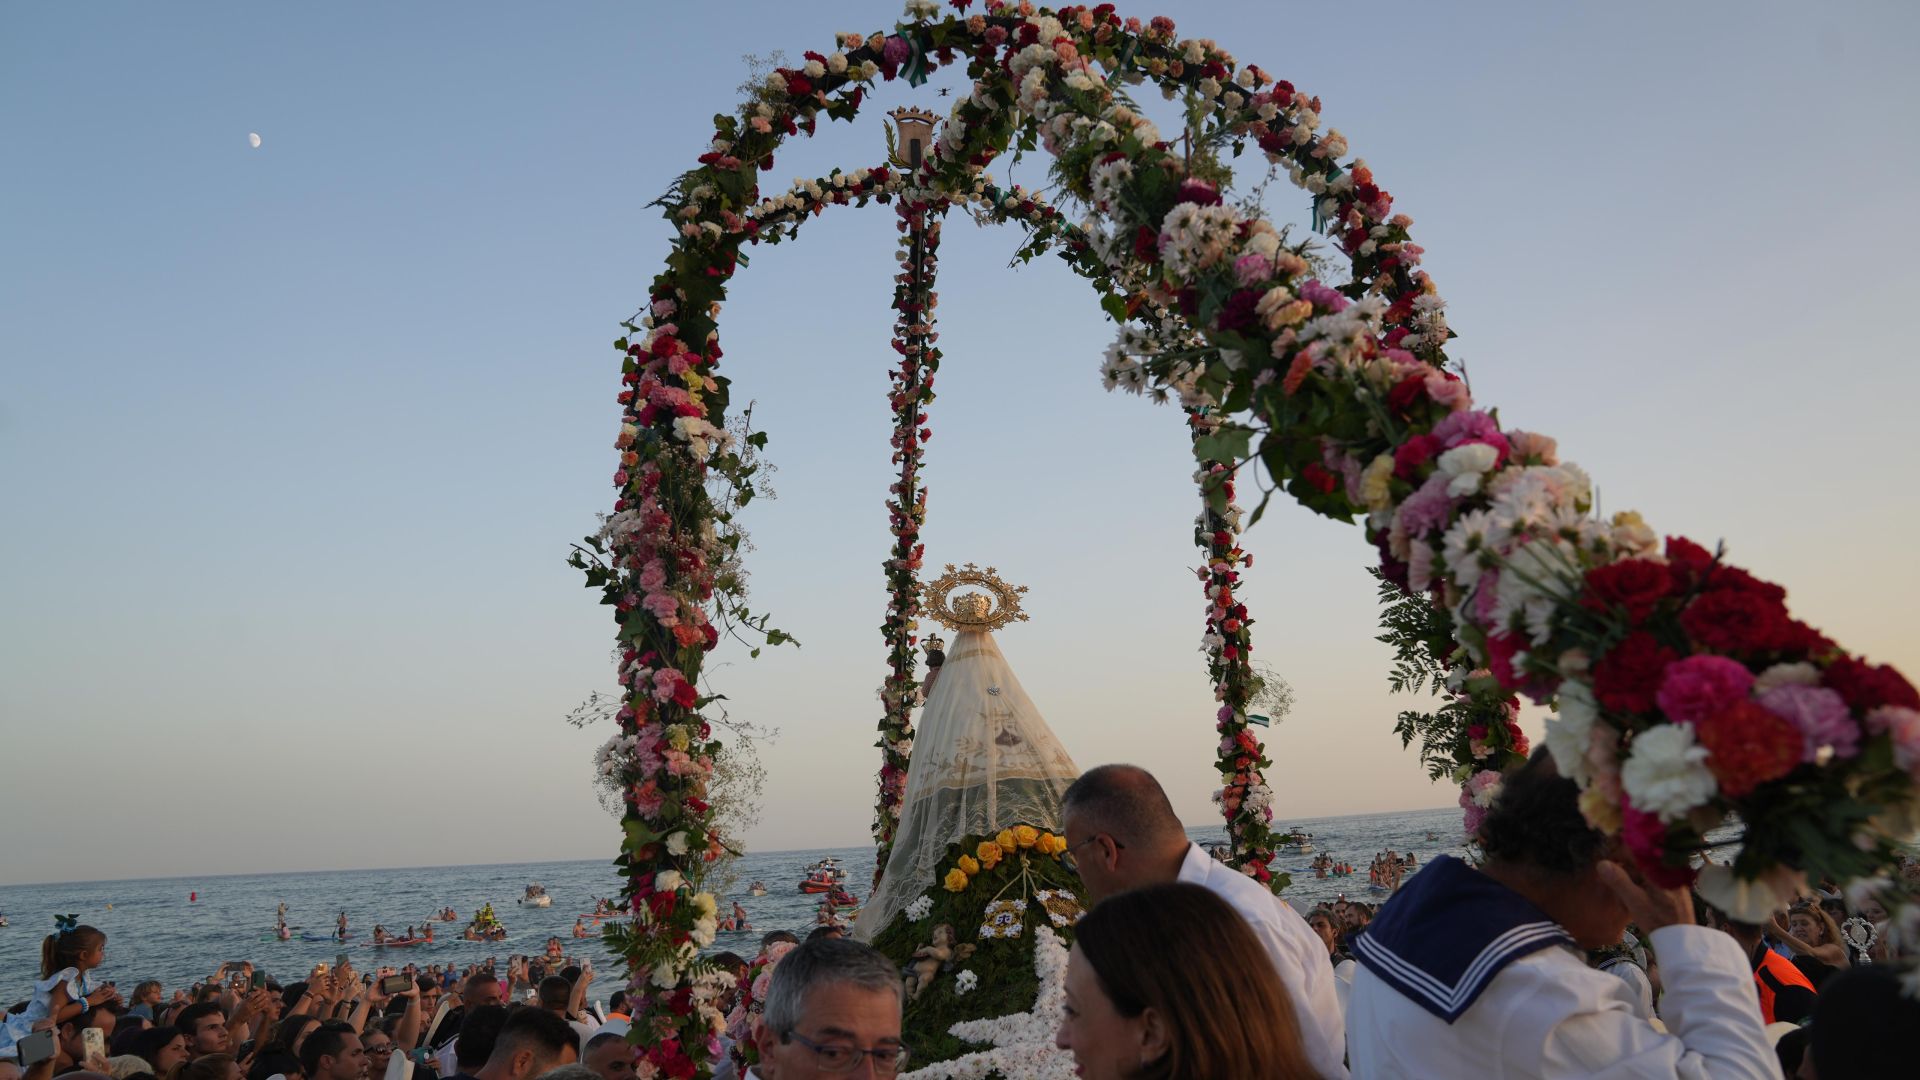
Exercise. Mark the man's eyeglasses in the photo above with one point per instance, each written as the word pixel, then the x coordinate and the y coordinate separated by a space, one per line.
pixel 1073 865
pixel 887 1060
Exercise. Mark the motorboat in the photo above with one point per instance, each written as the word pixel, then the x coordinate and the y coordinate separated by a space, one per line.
pixel 824 876
pixel 536 896
pixel 758 888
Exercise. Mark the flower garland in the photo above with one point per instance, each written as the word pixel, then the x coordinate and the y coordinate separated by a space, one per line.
pixel 1244 797
pixel 1021 1044
pixel 914 301
pixel 1684 690
pixel 751 1003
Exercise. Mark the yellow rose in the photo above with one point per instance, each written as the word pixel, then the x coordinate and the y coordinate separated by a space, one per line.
pixel 1026 835
pixel 1051 845
pixel 956 881
pixel 968 865
pixel 1007 842
pixel 989 853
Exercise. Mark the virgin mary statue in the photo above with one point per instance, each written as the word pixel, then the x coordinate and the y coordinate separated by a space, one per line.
pixel 983 758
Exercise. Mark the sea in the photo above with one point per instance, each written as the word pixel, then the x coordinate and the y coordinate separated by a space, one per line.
pixel 179 930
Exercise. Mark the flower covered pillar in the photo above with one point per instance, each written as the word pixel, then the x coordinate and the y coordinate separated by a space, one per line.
pixel 913 338
pixel 1244 797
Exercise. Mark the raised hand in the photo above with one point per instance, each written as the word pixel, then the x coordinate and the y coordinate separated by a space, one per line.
pixel 1650 906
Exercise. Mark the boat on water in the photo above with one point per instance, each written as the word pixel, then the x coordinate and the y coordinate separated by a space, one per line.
pixel 536 896
pixel 758 888
pixel 1219 849
pixel 1302 841
pixel 824 876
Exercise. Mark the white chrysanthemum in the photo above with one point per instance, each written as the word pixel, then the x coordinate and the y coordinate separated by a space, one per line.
pixel 920 908
pixel 1665 772
pixel 1570 730
pixel 922 9
pixel 1107 178
pixel 1194 237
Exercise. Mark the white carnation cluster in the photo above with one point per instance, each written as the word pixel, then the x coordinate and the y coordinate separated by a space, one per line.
pixel 920 908
pixel 1022 1043
pixel 965 982
pixel 1195 237
pixel 1666 772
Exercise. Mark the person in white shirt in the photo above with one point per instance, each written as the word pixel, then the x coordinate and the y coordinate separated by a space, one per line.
pixel 1473 972
pixel 1122 834
pixel 833 1008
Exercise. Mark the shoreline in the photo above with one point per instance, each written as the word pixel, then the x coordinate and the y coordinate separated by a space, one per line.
pixel 90 882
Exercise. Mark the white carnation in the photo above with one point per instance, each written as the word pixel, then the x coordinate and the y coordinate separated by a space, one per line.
pixel 1466 465
pixel 1570 729
pixel 1665 772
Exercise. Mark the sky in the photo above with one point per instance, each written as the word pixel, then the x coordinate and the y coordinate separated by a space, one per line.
pixel 294 439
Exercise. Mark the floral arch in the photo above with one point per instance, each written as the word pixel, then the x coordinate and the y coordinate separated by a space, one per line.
pixel 1684 691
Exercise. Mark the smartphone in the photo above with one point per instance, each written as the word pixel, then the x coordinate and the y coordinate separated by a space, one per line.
pixel 259 980
pixel 393 984
pixel 94 1040
pixel 339 961
pixel 36 1047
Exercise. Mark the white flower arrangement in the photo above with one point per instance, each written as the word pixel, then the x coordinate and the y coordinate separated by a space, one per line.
pixel 965 982
pixel 920 908
pixel 1021 1043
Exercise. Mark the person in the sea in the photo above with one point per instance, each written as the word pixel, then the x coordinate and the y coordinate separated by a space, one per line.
pixel 1122 833
pixel 1472 972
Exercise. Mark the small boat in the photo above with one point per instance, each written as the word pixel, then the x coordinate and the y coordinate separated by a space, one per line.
pixel 823 876
pixel 3 919
pixel 1219 849
pixel 536 896
pixel 758 888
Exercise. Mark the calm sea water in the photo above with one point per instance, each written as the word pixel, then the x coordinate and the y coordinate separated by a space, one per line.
pixel 156 932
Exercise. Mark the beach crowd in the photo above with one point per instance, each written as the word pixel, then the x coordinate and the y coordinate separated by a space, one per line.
pixel 1547 957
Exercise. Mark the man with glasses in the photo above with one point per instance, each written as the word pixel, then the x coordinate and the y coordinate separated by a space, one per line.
pixel 833 1009
pixel 1122 834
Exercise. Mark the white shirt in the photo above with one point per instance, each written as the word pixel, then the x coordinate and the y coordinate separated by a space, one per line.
pixel 1297 953
pixel 1548 1014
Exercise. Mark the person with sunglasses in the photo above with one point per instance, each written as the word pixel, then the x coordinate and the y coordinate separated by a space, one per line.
pixel 833 1009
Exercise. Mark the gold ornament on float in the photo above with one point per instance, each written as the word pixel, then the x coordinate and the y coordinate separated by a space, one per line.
pixel 993 606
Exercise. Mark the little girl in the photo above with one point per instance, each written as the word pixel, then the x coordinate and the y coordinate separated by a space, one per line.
pixel 67 959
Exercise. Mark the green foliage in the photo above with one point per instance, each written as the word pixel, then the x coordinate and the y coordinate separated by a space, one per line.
pixel 1004 966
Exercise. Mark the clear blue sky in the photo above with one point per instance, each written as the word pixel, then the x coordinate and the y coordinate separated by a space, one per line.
pixel 293 439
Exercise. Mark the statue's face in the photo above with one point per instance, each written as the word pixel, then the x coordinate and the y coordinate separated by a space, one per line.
pixel 943 934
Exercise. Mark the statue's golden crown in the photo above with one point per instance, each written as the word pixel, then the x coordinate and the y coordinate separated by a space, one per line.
pixel 987 604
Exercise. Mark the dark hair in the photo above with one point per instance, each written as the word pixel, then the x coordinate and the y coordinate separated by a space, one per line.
pixel 288 1033
pixel 478 1032
pixel 476 979
pixel 1206 974
pixel 537 1030
pixel 326 1041
pixel 60 951
pixel 272 1061
pixel 819 932
pixel 1536 822
pixel 146 1044
pixel 211 1067
pixel 730 960
pixel 1124 800
pixel 189 1019
pixel 775 937
pixel 554 992
pixel 618 999
pixel 1857 1023
pixel 571 973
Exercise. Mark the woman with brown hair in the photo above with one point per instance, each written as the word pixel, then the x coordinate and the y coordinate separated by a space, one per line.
pixel 1815 940
pixel 1168 982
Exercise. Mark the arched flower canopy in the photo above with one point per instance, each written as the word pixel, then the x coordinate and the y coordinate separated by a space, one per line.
pixel 1685 693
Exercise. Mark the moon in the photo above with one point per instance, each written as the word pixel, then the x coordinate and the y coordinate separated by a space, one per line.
pixel 253 139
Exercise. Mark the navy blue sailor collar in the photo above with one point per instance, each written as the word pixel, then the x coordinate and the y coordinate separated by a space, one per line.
pixel 1448 932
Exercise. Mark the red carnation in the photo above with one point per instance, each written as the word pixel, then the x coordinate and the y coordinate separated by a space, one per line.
pixel 1405 394
pixel 1637 585
pixel 1501 649
pixel 1146 244
pixel 1319 478
pixel 1687 561
pixel 1748 746
pixel 1626 678
pixel 1412 454
pixel 1869 686
pixel 1198 192
pixel 684 695
pixel 1730 621
pixel 1238 312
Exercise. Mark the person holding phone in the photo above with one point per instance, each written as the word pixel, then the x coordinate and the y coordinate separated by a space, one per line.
pixel 68 958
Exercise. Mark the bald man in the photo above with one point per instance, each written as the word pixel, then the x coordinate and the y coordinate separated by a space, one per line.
pixel 1122 834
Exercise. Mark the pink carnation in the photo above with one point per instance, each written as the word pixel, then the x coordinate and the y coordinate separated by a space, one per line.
pixel 646 751
pixel 1902 725
pixel 1427 509
pixel 1321 296
pixel 1449 394
pixel 1534 448
pixel 1820 714
pixel 662 606
pixel 665 681
pixel 653 576
pixel 1699 686
pixel 1252 269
